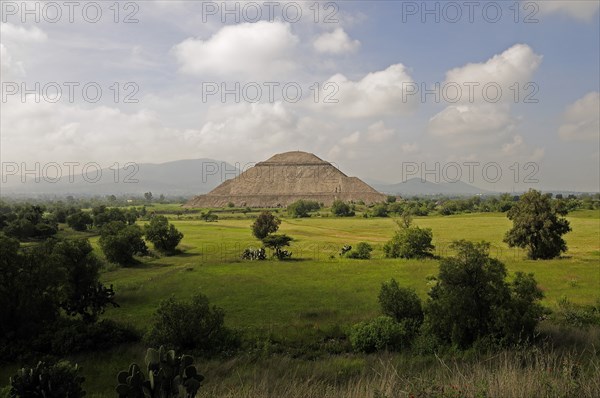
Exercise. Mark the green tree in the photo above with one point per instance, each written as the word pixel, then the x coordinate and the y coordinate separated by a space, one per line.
pixel 277 243
pixel 266 223
pixel 148 196
pixel 341 209
pixel 164 236
pixel 29 291
pixel 472 300
pixel 80 221
pixel 537 226
pixel 120 242
pixel 82 293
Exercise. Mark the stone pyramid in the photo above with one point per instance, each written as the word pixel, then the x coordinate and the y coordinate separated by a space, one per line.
pixel 286 178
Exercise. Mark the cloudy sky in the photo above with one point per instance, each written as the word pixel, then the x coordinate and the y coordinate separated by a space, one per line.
pixel 387 90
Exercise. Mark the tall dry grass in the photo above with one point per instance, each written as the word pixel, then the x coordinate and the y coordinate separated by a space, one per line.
pixel 530 373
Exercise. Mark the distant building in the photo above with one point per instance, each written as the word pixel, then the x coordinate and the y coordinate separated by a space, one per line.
pixel 286 178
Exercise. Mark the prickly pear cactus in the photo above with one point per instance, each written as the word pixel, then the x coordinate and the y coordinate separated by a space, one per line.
pixel 48 380
pixel 169 376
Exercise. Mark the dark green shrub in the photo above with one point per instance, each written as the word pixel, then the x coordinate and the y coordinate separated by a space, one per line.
pixel 400 303
pixel 70 336
pixel 361 252
pixel 301 208
pixel 164 236
pixel 472 300
pixel 192 326
pixel 58 380
pixel 382 333
pixel 341 209
pixel 379 210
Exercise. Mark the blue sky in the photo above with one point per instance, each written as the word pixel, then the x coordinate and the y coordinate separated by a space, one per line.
pixel 372 55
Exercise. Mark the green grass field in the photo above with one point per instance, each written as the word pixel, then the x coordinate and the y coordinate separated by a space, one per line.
pixel 319 289
pixel 298 301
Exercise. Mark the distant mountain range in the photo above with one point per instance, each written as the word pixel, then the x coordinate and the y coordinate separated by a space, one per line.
pixel 185 178
pixel 177 178
pixel 416 186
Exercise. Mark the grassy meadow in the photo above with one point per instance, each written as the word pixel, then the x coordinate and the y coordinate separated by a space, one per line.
pixel 284 307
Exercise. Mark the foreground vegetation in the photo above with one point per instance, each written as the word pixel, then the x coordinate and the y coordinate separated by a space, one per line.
pixel 296 316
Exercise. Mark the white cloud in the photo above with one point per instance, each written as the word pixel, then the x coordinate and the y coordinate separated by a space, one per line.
pixel 581 120
pixel 46 132
pixel 379 132
pixel 470 120
pixel 410 147
pixel 376 94
pixel 336 42
pixel 21 34
pixel 584 10
pixel 515 65
pixel 262 49
pixel 14 40
pixel 476 119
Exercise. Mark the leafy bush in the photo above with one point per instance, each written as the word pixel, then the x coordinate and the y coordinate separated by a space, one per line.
pixel 191 326
pixel 48 380
pixel 400 303
pixel 120 242
pixel 383 333
pixel 362 251
pixel 301 208
pixel 164 236
pixel 410 242
pixel 72 336
pixel 341 209
pixel 580 316
pixel 379 210
pixel 266 223
pixel 209 216
pixel 472 300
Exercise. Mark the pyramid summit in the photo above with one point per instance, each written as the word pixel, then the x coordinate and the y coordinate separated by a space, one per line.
pixel 285 178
